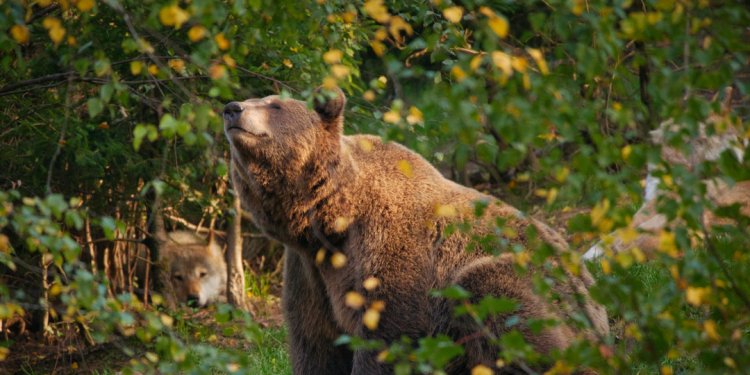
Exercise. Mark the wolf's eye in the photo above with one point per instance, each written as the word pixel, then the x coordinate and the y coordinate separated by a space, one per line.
pixel 178 277
pixel 275 105
pixel 202 274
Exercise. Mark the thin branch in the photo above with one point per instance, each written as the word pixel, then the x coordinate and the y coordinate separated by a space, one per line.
pixel 192 226
pixel 60 141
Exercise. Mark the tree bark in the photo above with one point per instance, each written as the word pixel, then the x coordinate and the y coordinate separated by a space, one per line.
pixel 235 271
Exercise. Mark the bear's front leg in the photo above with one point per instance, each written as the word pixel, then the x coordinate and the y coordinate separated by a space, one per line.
pixel 308 315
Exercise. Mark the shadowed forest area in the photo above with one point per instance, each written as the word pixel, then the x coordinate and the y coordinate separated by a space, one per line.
pixel 622 124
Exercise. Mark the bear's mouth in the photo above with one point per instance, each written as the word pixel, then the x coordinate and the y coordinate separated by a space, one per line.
pixel 246 131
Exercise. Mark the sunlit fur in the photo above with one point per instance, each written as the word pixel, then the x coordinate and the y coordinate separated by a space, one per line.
pixel 314 189
pixel 196 268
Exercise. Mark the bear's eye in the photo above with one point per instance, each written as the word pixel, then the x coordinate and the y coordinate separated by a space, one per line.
pixel 275 105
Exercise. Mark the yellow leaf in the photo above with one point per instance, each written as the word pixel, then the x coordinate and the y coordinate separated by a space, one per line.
pixel 551 195
pixel 177 64
pixel 560 368
pixel 365 145
pixel 626 151
pixel 539 59
pixel 458 73
pixel 329 83
pixel 342 223
pixel 382 356
pixel 197 33
pixel 667 244
pixel 710 327
pixel 57 34
pixel 405 168
pixel 666 370
pixel 522 258
pixel 475 62
pixel 4 244
pixel 44 3
pixel 371 283
pixel 696 296
pixel 72 40
pixel 396 26
pixel 338 260
pixel 453 14
pixel 631 330
pixel 503 61
pixel 222 42
pixel 638 254
pixel 627 235
pixel 51 22
pixel 727 361
pixel 577 7
pixel 320 256
pixel 85 5
pixel 339 71
pixel 562 174
pixel 519 64
pixel 166 320
pixel 415 116
pixel 481 370
pixel 20 34
pixel 499 26
pixel 333 56
pixel 599 211
pixel 369 95
pixel 445 210
pixel 392 117
pixel 376 10
pixel 217 71
pixel 354 300
pixel 371 319
pixel 349 17
pixel 378 306
pixel 288 63
pixel 606 268
pixel 229 61
pixel 380 34
pixel 173 15
pixel 378 47
pixel 153 69
pixel 4 353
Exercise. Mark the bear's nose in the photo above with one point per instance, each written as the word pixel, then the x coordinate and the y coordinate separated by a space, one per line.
pixel 232 111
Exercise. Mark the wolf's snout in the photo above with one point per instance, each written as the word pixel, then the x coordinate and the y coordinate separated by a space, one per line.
pixel 232 112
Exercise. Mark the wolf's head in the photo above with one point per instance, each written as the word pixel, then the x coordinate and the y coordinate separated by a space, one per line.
pixel 196 268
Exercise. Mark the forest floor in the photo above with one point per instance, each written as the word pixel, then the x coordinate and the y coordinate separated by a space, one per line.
pixel 67 353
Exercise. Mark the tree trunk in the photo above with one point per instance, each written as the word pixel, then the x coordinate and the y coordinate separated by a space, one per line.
pixel 235 271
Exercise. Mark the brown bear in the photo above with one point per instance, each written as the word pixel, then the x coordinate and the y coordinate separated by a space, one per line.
pixel 357 214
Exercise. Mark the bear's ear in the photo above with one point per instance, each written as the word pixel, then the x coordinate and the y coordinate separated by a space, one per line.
pixel 329 103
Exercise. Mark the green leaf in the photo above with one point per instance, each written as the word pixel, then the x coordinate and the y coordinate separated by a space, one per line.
pixel 95 106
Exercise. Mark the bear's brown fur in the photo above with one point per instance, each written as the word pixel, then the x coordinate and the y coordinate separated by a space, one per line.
pixel 385 209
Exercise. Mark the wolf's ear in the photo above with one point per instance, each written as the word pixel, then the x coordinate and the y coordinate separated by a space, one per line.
pixel 213 245
pixel 329 104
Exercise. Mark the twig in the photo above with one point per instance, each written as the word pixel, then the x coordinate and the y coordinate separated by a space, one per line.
pixel 192 226
pixel 60 141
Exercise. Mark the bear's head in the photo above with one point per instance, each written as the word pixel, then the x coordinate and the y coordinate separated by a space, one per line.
pixel 284 133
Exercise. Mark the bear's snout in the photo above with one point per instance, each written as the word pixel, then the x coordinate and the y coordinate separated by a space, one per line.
pixel 232 112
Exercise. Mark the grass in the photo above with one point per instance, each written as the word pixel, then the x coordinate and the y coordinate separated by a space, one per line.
pixel 271 355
